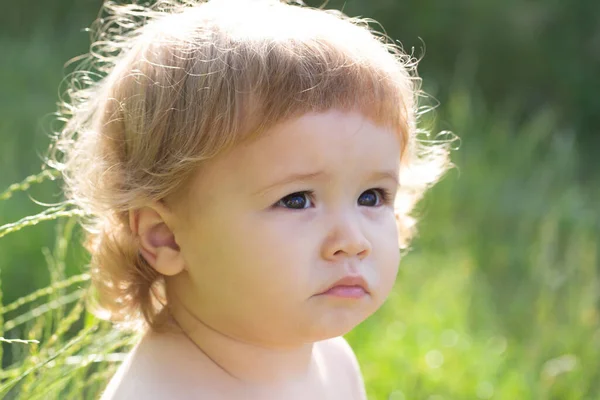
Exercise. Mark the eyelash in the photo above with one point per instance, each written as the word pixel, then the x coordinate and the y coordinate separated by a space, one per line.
pixel 385 197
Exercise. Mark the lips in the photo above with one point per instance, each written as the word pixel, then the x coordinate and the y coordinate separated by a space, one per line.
pixel 349 286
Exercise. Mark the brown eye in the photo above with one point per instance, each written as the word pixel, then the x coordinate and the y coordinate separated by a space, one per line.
pixel 296 201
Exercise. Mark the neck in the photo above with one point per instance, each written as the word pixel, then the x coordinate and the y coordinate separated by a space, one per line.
pixel 245 362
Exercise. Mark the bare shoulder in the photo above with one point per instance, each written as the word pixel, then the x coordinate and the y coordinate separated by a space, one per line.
pixel 340 357
pixel 137 377
pixel 158 368
pixel 126 380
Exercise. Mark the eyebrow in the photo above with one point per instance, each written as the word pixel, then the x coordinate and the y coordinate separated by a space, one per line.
pixel 377 175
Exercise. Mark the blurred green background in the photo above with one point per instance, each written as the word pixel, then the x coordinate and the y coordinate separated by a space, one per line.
pixel 499 296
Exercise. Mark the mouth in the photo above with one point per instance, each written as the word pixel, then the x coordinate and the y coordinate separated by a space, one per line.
pixel 349 287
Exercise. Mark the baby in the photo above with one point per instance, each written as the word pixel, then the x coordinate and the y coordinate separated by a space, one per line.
pixel 248 169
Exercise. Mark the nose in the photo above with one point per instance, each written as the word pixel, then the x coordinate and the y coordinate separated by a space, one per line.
pixel 345 239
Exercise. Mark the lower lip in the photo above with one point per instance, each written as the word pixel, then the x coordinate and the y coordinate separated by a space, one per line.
pixel 347 292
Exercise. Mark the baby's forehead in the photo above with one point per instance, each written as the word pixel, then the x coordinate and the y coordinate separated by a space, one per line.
pixel 314 146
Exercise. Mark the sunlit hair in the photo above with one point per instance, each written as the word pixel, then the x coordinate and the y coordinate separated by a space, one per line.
pixel 168 86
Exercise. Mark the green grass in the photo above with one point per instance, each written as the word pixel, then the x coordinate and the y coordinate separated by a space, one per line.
pixel 53 348
pixel 496 300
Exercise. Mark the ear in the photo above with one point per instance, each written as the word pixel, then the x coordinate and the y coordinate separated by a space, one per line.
pixel 156 239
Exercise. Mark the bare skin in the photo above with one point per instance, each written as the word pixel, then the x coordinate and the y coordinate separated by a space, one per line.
pixel 170 366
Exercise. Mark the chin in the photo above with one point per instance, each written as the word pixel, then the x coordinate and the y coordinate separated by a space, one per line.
pixel 336 323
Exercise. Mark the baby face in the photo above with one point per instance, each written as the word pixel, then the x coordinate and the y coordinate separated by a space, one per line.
pixel 271 225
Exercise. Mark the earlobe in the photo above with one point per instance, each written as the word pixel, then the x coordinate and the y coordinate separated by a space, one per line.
pixel 156 240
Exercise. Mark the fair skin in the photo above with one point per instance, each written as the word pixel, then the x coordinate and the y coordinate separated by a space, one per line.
pixel 248 253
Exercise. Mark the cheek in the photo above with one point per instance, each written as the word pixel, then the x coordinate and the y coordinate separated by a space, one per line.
pixel 276 249
pixel 388 255
pixel 247 253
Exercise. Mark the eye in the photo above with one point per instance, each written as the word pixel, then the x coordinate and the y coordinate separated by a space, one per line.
pixel 373 198
pixel 296 201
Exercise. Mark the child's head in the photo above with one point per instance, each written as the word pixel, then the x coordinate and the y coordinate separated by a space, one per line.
pixel 178 151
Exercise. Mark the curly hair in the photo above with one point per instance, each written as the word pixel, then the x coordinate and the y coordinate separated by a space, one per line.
pixel 170 85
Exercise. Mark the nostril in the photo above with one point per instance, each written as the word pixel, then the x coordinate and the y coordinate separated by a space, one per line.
pixel 358 250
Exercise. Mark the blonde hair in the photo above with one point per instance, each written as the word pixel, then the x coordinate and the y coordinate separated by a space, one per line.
pixel 168 86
